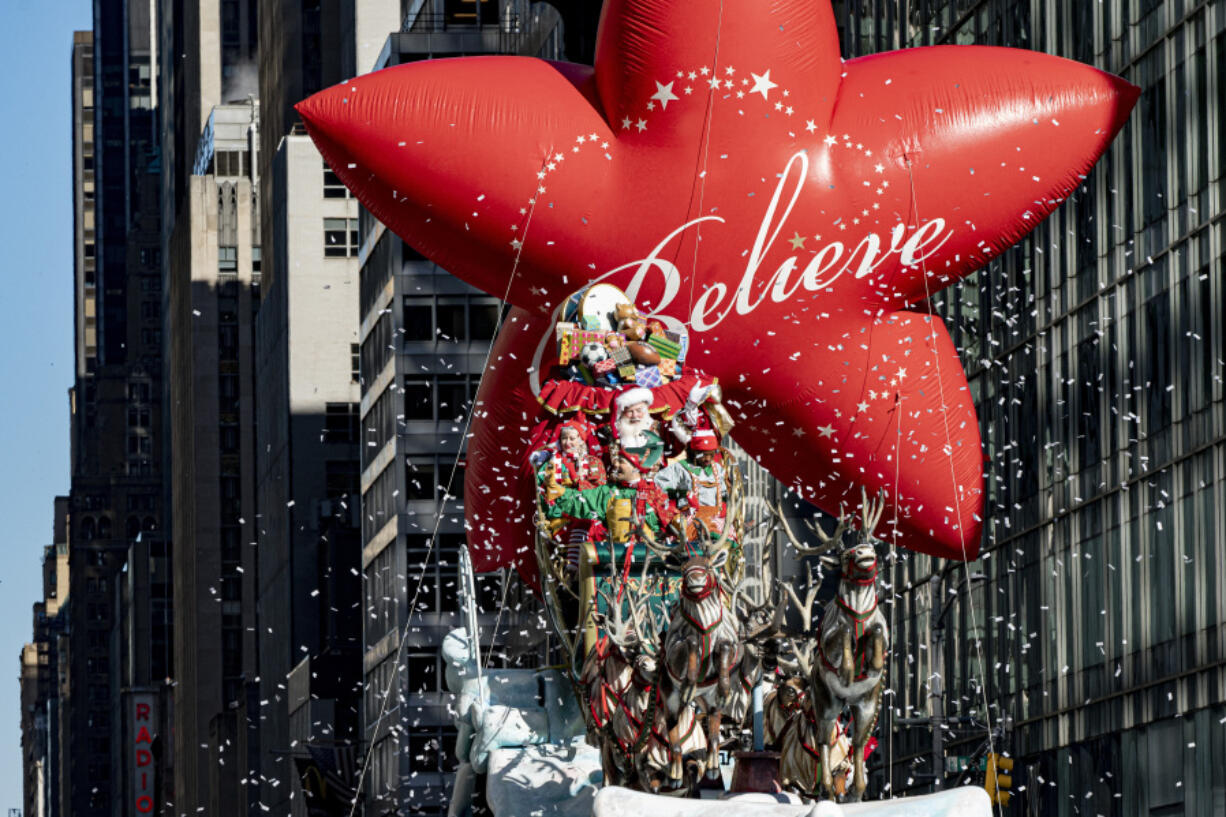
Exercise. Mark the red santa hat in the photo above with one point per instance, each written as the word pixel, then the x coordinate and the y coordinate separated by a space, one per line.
pixel 704 439
pixel 579 424
pixel 631 396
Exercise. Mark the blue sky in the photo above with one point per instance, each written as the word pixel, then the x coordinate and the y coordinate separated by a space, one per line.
pixel 36 327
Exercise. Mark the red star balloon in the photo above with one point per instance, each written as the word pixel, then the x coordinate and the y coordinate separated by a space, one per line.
pixel 725 167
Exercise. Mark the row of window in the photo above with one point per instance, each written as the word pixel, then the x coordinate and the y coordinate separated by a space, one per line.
pixel 449 317
pixel 227 260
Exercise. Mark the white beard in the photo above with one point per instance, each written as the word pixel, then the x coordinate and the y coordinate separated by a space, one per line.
pixel 632 434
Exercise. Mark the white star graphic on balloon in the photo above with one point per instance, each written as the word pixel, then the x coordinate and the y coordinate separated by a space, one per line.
pixel 664 94
pixel 810 126
pixel 826 430
pixel 641 125
pixel 762 84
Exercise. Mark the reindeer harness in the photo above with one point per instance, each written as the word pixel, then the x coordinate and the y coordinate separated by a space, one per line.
pixel 707 631
pixel 859 620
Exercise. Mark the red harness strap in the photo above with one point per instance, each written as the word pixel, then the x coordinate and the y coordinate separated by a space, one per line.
pixel 859 619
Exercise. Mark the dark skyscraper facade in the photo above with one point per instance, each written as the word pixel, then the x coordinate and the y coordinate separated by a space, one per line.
pixel 115 503
pixel 1093 625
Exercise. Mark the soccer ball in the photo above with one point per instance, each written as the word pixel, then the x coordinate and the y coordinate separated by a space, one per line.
pixel 593 353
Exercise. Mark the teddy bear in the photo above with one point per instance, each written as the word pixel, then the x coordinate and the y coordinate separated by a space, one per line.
pixel 632 324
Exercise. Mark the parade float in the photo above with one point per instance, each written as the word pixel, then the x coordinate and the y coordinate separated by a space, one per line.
pixel 639 534
pixel 719 228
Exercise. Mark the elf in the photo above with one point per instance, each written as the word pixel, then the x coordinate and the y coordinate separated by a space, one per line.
pixel 571 466
pixel 697 481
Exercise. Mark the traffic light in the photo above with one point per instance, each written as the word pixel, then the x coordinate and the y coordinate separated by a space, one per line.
pixel 998 778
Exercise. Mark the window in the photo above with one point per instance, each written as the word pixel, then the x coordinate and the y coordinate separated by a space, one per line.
pixel 418 399
pixel 451 393
pixel 227 260
pixel 482 320
pixel 449 320
pixel 423 674
pixel 333 188
pixel 138 392
pixel 378 503
pixel 452 396
pixel 340 237
pixel 380 425
pixel 418 318
pixel 341 422
pixel 432 749
pixel 228 163
pixel 138 417
pixel 256 259
pixel 377 348
pixel 355 363
pixel 438 572
pixel 420 477
pixel 381 591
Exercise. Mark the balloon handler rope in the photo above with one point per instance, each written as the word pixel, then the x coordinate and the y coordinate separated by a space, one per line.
pixel 983 689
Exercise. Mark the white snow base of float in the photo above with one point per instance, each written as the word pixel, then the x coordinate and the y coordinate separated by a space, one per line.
pixel 546 780
pixel 967 801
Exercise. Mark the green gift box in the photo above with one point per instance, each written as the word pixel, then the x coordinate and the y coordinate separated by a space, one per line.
pixel 668 344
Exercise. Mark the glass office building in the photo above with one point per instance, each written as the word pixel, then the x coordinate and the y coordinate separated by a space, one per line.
pixel 1092 631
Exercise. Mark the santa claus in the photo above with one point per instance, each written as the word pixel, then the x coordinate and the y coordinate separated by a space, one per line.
pixel 636 429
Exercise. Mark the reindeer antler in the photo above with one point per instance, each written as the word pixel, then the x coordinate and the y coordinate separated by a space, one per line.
pixel 620 632
pixel 803 650
pixel 828 540
pixel 870 513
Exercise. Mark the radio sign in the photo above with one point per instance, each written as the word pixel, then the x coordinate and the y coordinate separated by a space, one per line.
pixel 143 724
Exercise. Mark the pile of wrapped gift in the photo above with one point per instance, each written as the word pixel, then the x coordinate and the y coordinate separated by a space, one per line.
pixel 604 340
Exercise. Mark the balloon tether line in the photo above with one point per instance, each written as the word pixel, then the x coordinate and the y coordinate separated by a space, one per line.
pixel 706 155
pixel 931 318
pixel 438 518
pixel 894 582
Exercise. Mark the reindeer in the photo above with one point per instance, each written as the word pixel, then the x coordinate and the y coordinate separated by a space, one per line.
pixel 786 699
pixel 703 646
pixel 790 718
pixel 636 748
pixel 780 705
pixel 606 674
pixel 605 677
pixel 852 643
pixel 760 626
